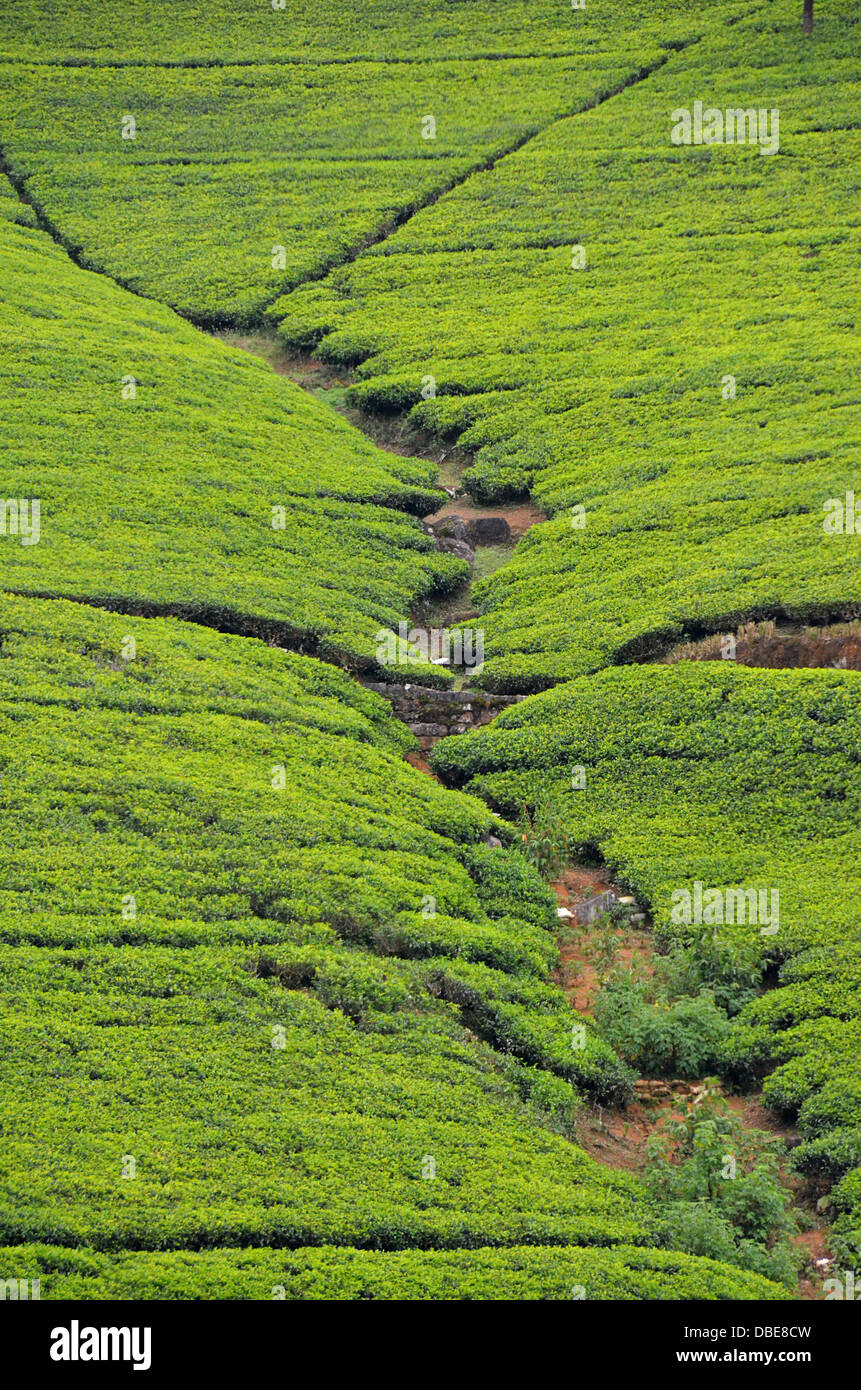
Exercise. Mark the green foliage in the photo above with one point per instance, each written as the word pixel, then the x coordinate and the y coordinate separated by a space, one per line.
pixel 260 1114
pixel 603 387
pixel 658 1037
pixel 832 1155
pixel 531 1020
pixel 674 1022
pixel 522 1272
pixel 543 838
pixel 300 128
pixel 244 31
pixel 718 1184
pixel 729 967
pixel 164 502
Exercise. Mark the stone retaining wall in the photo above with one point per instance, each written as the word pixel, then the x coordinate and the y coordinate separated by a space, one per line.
pixel 435 714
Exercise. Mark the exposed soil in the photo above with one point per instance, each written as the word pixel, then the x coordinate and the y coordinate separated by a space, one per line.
pixel 579 973
pixel 619 1138
pixel 421 764
pixel 779 646
pixel 519 515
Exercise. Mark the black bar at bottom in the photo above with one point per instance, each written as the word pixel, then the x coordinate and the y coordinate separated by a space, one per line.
pixel 159 1339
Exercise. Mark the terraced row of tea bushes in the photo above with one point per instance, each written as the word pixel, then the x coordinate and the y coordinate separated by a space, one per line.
pixel 240 182
pixel 11 206
pixel 731 779
pixel 683 405
pixel 241 938
pixel 336 1107
pixel 175 473
pixel 249 31
pixel 258 770
pixel 526 1272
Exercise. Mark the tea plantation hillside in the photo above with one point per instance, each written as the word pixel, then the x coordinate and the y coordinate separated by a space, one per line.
pixel 176 474
pixel 733 779
pixel 238 936
pixel 285 1017
pixel 233 152
pixel 225 32
pixel 657 339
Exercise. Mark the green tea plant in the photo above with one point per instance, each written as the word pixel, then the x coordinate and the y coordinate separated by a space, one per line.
pixel 543 838
pixel 719 1186
pixel 598 314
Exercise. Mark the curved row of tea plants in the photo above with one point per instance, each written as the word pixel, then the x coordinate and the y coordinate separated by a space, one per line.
pixel 698 783
pixel 182 32
pixel 656 339
pixel 525 1272
pixel 174 473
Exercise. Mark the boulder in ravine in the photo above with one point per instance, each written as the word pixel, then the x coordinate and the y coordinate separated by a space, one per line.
pixel 452 538
pixel 461 549
pixel 451 528
pixel 489 530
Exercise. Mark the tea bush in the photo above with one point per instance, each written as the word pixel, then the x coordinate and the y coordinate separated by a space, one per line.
pixel 523 1272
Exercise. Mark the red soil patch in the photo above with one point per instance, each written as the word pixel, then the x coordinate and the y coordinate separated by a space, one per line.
pixel 577 974
pixel 782 646
pixel 420 762
pixel 519 515
pixel 618 1137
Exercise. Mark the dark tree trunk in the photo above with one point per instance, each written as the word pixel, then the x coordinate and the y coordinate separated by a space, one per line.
pixel 807 22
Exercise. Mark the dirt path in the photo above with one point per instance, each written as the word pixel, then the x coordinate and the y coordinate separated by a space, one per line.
pixel 579 973
pixel 519 515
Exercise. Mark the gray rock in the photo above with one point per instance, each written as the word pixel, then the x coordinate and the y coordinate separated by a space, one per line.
pixel 489 530
pixel 449 528
pixel 461 549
